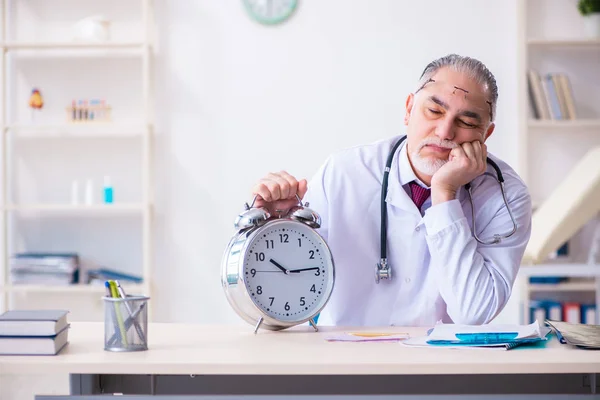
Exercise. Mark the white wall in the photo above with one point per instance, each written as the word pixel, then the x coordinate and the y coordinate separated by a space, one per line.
pixel 235 100
pixel 238 100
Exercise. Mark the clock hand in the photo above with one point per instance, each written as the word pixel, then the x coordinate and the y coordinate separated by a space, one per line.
pixel 279 266
pixel 304 269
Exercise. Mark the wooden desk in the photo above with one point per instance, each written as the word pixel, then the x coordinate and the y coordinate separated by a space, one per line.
pixel 185 359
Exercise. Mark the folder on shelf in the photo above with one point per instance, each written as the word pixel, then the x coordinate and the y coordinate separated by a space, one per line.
pixel 44 268
pixel 574 202
pixel 101 275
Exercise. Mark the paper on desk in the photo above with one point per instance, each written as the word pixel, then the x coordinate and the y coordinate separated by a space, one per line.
pixel 421 341
pixel 581 335
pixel 368 337
pixel 443 331
pixel 449 336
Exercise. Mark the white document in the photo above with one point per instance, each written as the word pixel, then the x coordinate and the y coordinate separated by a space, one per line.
pixel 449 331
pixel 498 337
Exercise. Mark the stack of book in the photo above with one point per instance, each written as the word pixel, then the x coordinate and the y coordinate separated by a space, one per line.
pixel 551 96
pixel 33 332
pixel 44 268
pixel 568 311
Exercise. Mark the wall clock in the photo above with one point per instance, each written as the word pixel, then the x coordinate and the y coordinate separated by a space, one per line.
pixel 270 12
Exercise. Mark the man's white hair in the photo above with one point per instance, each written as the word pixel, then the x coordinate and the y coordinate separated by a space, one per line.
pixel 467 65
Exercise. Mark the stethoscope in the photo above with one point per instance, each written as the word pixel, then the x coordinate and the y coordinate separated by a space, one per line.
pixel 383 268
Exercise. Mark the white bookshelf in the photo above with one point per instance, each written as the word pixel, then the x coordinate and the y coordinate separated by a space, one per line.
pixel 79 130
pixel 586 279
pixel 95 290
pixel 555 42
pixel 79 208
pixel 566 124
pixel 582 42
pixel 139 129
pixel 73 45
pixel 577 286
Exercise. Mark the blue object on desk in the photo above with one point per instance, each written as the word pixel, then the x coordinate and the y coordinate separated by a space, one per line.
pixel 487 337
pixel 481 338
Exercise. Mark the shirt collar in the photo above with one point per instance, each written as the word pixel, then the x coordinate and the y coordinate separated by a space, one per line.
pixel 405 170
pixel 401 174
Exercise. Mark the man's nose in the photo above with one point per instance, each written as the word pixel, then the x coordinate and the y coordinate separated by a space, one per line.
pixel 445 129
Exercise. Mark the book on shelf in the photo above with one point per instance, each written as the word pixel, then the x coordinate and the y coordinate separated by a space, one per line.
pixel 571 312
pixel 33 332
pixel 100 275
pixel 551 96
pixel 44 268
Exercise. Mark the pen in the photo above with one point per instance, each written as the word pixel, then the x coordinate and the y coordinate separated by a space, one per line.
pixel 115 293
pixel 134 321
pixel 112 309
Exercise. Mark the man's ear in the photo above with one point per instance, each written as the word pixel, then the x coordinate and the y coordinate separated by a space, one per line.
pixel 489 131
pixel 410 101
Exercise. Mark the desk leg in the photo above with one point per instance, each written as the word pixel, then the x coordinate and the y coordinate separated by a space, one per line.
pixel 83 384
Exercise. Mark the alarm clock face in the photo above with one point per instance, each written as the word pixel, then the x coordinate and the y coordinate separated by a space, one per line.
pixel 270 11
pixel 288 271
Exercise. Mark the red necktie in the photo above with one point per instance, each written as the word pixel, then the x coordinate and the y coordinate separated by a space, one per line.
pixel 418 194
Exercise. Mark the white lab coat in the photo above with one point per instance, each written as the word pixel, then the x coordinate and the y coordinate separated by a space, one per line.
pixel 439 270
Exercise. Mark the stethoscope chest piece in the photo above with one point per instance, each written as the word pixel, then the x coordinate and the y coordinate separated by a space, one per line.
pixel 383 271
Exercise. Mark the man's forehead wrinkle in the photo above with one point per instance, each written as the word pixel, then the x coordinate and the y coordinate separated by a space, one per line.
pixel 451 88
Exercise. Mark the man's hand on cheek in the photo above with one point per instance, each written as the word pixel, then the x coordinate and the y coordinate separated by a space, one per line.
pixel 466 162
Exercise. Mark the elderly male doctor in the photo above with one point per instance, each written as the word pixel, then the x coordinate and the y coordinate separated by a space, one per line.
pixel 439 270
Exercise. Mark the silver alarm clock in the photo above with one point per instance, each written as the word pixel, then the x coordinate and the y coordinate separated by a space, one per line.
pixel 277 272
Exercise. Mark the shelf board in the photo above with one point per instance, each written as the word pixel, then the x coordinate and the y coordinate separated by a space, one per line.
pixel 75 208
pixel 131 288
pixel 582 42
pixel 74 49
pixel 561 269
pixel 71 45
pixel 79 130
pixel 569 123
pixel 586 286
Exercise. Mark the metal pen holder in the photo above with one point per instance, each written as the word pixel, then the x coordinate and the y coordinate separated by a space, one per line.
pixel 126 323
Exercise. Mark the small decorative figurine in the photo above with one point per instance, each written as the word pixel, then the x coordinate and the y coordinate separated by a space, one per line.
pixel 36 102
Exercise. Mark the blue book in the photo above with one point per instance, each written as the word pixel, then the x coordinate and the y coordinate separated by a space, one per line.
pixel 103 274
pixel 553 98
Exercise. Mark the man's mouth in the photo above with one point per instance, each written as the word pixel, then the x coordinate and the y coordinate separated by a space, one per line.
pixel 437 149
